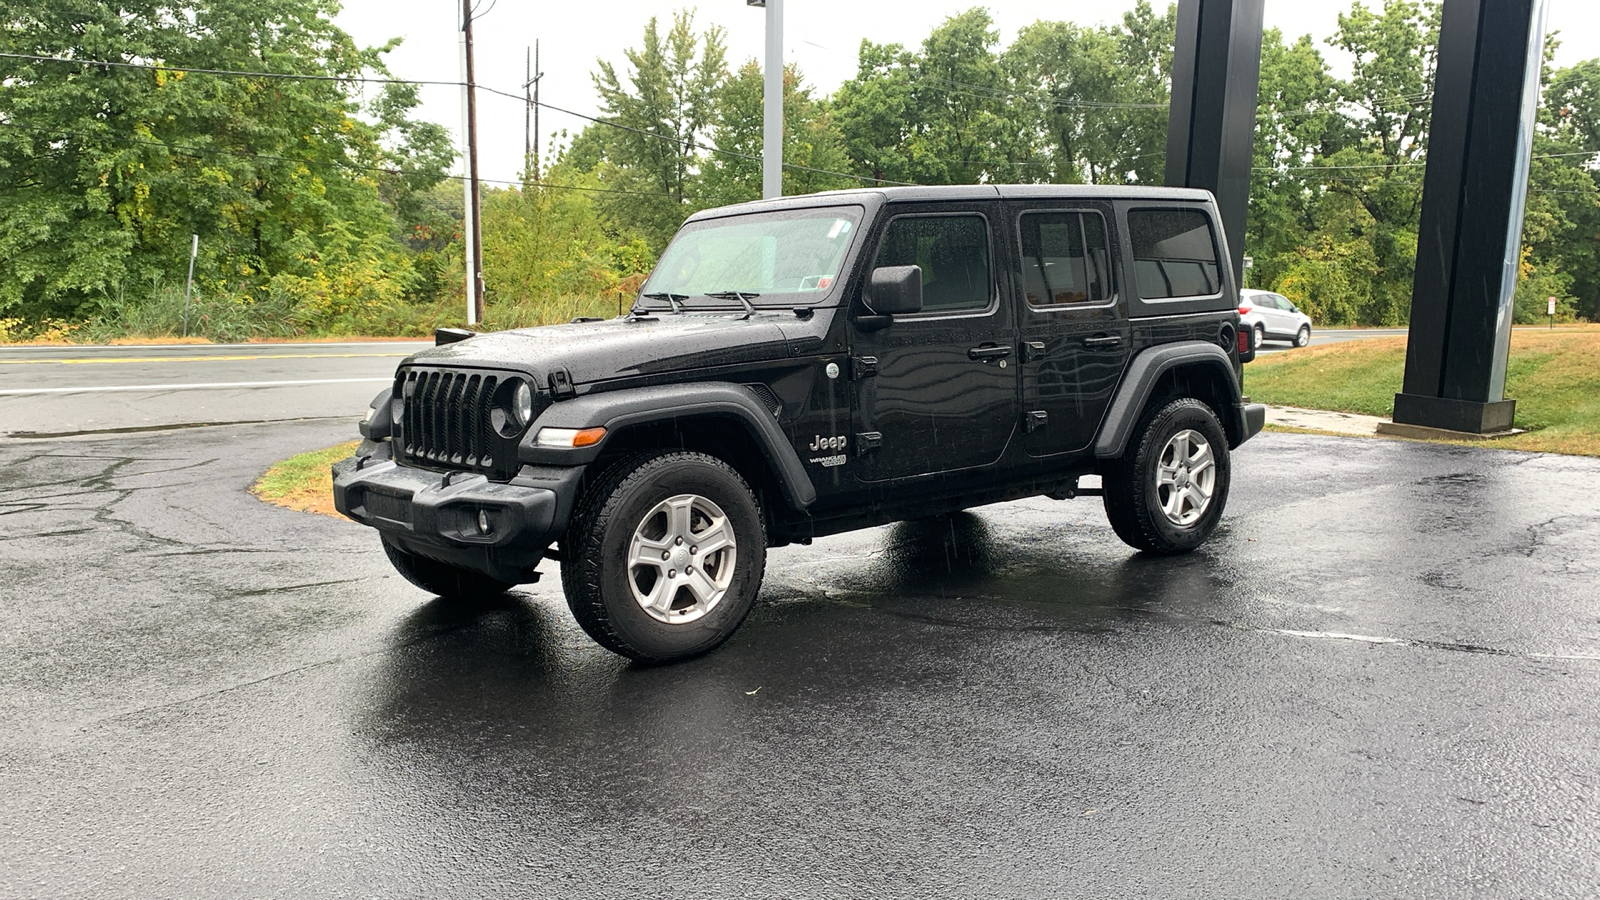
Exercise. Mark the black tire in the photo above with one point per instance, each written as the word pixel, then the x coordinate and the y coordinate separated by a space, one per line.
pixel 442 579
pixel 1257 334
pixel 618 509
pixel 1134 497
pixel 1303 336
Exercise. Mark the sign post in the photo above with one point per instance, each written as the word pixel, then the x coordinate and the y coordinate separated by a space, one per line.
pixel 1552 314
pixel 188 287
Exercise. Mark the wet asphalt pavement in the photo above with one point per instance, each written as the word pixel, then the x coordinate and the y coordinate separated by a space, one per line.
pixel 1380 679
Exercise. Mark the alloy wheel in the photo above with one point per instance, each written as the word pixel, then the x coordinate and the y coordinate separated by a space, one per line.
pixel 681 559
pixel 1186 477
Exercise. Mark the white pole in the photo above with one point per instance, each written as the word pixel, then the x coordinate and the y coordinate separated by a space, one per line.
pixel 194 250
pixel 466 188
pixel 772 113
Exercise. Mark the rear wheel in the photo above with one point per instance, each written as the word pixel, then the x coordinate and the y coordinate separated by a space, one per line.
pixel 1167 492
pixel 1303 336
pixel 441 578
pixel 664 557
pixel 1257 335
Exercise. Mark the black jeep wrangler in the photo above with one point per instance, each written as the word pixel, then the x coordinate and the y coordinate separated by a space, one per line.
pixel 801 367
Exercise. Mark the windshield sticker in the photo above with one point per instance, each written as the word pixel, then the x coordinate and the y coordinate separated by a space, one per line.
pixel 840 226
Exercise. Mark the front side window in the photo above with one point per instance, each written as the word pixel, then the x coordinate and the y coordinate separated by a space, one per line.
pixel 1065 259
pixel 1174 253
pixel 783 257
pixel 953 252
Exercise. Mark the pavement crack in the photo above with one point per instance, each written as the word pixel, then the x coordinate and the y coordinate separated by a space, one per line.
pixel 1448 646
pixel 323 663
pixel 264 592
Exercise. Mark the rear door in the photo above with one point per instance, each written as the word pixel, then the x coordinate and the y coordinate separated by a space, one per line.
pixel 936 391
pixel 1074 329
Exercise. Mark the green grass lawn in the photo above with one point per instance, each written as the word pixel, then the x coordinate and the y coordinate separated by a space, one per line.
pixel 1553 375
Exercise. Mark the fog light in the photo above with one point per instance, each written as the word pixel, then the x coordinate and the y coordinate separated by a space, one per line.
pixel 483 522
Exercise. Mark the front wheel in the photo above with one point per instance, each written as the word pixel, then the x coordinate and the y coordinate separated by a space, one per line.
pixel 664 557
pixel 1303 336
pixel 1167 492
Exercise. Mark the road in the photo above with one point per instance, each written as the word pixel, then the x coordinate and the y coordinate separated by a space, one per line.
pixel 1380 679
pixel 1332 336
pixel 67 390
pixel 59 391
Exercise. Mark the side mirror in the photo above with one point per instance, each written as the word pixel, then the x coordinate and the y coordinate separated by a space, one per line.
pixel 895 290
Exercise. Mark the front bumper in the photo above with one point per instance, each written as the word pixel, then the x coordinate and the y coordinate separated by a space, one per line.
pixel 437 514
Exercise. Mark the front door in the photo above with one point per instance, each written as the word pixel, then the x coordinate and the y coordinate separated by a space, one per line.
pixel 936 391
pixel 1074 333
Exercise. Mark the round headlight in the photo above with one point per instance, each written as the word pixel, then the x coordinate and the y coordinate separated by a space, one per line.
pixel 522 404
pixel 397 410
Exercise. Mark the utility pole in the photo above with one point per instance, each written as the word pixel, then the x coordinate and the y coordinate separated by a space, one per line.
pixel 474 246
pixel 530 153
pixel 772 103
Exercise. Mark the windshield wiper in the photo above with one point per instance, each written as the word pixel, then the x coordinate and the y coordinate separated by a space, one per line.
pixel 744 298
pixel 675 300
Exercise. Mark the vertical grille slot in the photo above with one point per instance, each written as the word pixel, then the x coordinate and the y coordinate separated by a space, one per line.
pixel 446 420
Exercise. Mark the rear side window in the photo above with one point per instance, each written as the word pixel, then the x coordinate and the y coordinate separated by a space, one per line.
pixel 953 252
pixel 1065 259
pixel 1174 253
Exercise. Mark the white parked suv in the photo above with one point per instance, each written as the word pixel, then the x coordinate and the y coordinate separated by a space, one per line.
pixel 1264 315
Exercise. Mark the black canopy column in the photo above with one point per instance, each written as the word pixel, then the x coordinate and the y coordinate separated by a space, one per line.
pixel 1485 103
pixel 1216 73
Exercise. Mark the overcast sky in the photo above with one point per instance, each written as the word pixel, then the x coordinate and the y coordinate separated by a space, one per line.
pixel 820 35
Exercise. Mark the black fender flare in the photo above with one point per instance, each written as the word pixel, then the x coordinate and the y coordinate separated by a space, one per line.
pixel 620 409
pixel 1139 383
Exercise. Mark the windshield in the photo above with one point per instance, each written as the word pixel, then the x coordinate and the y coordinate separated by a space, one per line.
pixel 774 255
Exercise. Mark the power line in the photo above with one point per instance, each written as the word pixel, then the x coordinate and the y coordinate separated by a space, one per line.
pixel 216 151
pixel 520 98
pixel 286 76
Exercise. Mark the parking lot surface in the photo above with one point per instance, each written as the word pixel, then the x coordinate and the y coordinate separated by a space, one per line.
pixel 1381 678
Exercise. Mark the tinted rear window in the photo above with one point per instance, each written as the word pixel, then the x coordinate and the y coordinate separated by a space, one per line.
pixel 1174 253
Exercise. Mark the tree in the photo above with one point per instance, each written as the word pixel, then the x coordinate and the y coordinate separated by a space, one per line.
pixel 108 169
pixel 660 116
pixel 1375 178
pixel 812 145
pixel 1297 122
pixel 1563 223
pixel 874 112
pixel 1096 98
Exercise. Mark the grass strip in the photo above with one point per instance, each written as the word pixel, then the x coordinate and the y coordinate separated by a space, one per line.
pixel 302 482
pixel 1554 375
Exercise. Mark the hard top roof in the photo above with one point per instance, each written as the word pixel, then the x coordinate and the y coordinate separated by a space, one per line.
pixel 876 195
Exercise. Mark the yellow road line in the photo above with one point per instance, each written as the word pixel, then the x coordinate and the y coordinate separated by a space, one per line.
pixel 89 361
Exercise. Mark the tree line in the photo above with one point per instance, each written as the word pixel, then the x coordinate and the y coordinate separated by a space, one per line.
pixel 324 206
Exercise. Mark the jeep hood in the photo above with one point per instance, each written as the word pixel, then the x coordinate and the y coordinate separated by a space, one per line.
pixel 622 348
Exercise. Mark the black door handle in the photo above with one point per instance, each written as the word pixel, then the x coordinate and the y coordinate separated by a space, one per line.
pixel 1103 341
pixel 988 354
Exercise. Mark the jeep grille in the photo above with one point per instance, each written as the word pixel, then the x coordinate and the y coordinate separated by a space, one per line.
pixel 445 420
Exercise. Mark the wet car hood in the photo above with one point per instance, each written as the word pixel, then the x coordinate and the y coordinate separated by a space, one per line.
pixel 615 348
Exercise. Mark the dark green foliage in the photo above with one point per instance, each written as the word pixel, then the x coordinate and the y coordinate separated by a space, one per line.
pixel 323 207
